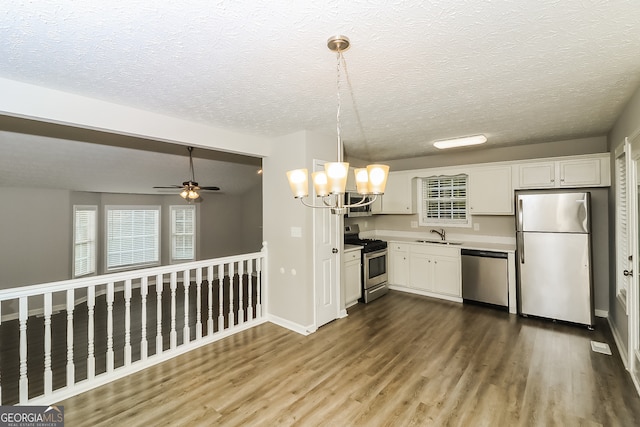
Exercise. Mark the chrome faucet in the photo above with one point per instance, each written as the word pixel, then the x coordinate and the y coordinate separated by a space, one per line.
pixel 440 233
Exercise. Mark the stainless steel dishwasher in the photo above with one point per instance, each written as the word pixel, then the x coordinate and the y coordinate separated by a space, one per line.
pixel 484 277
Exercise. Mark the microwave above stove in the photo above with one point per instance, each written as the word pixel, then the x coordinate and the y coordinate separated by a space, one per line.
pixel 353 198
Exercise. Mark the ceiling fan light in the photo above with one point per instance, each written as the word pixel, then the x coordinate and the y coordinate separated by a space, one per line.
pixel 193 194
pixel 184 193
pixel 460 142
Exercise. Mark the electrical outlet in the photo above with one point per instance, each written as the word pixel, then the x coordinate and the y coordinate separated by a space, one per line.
pixel 414 224
pixel 476 226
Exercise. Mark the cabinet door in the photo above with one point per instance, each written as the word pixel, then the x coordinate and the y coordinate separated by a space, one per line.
pixel 538 175
pixel 420 271
pixel 398 198
pixel 352 279
pixel 446 276
pixel 579 172
pixel 398 264
pixel 490 191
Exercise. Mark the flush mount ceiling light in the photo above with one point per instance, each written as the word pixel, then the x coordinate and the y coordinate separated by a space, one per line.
pixel 370 181
pixel 460 142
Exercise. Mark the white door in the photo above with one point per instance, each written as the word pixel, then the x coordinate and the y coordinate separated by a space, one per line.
pixel 326 229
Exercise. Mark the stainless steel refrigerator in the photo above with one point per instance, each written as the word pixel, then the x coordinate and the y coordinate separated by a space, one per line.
pixel 553 234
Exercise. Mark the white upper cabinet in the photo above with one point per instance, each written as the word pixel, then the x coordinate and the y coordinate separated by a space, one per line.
pixel 491 190
pixel 398 195
pixel 538 175
pixel 577 171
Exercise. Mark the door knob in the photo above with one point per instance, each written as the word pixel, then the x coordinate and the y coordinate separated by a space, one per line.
pixel 628 273
pixel 334 250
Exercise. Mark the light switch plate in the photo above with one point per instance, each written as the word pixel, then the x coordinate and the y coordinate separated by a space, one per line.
pixel 296 232
pixel 414 224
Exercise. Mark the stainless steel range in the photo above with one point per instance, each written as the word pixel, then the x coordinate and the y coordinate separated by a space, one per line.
pixel 374 263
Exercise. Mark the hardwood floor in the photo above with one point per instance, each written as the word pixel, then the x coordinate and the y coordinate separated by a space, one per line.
pixel 403 360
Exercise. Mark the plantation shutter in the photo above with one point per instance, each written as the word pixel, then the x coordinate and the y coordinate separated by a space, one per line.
pixel 444 199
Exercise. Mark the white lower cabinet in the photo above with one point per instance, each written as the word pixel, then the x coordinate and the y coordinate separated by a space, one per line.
pixel 352 277
pixel 428 268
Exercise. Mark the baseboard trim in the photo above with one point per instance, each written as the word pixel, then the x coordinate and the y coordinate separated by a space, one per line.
pixel 292 326
pixel 602 313
pixel 622 350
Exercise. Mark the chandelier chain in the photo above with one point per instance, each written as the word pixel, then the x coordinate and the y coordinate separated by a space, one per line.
pixel 338 126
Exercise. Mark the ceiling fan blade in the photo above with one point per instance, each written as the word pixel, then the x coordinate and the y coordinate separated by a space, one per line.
pixel 211 188
pixel 170 186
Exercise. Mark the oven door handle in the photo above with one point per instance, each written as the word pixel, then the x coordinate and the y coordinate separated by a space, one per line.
pixel 375 253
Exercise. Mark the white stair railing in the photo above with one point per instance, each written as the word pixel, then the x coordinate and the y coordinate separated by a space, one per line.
pixel 98 329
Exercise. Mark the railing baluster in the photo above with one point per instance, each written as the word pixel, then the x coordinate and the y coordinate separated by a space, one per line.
pixel 221 297
pixel 48 374
pixel 198 303
pixel 240 292
pixel 70 365
pixel 258 287
pixel 143 317
pixel 232 273
pixel 22 316
pixel 110 297
pixel 127 322
pixel 210 300
pixel 173 336
pixel 159 279
pixel 250 290
pixel 91 360
pixel 186 282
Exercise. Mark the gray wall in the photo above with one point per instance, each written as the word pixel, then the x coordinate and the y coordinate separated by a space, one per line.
pixel 37 229
pixel 628 123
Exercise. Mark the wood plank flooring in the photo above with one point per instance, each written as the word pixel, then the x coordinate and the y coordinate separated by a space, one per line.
pixel 403 360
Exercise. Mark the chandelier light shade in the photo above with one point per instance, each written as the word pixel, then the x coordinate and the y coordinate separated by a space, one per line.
pixel 299 182
pixel 370 181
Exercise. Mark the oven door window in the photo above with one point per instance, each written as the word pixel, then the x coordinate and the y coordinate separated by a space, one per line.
pixel 377 266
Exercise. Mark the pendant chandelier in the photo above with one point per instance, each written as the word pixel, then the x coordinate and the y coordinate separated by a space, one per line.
pixel 370 181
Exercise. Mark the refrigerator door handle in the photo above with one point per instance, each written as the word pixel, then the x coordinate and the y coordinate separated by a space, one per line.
pixel 520 205
pixel 520 245
pixel 585 222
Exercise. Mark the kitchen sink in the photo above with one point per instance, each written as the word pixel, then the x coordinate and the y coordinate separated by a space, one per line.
pixel 439 242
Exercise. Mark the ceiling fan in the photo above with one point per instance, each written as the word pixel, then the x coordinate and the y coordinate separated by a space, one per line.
pixel 190 188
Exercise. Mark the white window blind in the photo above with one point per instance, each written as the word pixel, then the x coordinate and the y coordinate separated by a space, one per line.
pixel 183 237
pixel 622 229
pixel 133 236
pixel 444 200
pixel 84 240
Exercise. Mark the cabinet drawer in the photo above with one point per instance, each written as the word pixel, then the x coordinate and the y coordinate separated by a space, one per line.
pixel 350 256
pixel 434 250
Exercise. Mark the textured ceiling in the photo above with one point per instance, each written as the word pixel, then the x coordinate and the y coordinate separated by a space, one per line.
pixel 517 71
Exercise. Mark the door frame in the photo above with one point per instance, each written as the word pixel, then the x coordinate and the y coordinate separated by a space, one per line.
pixel 633 291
